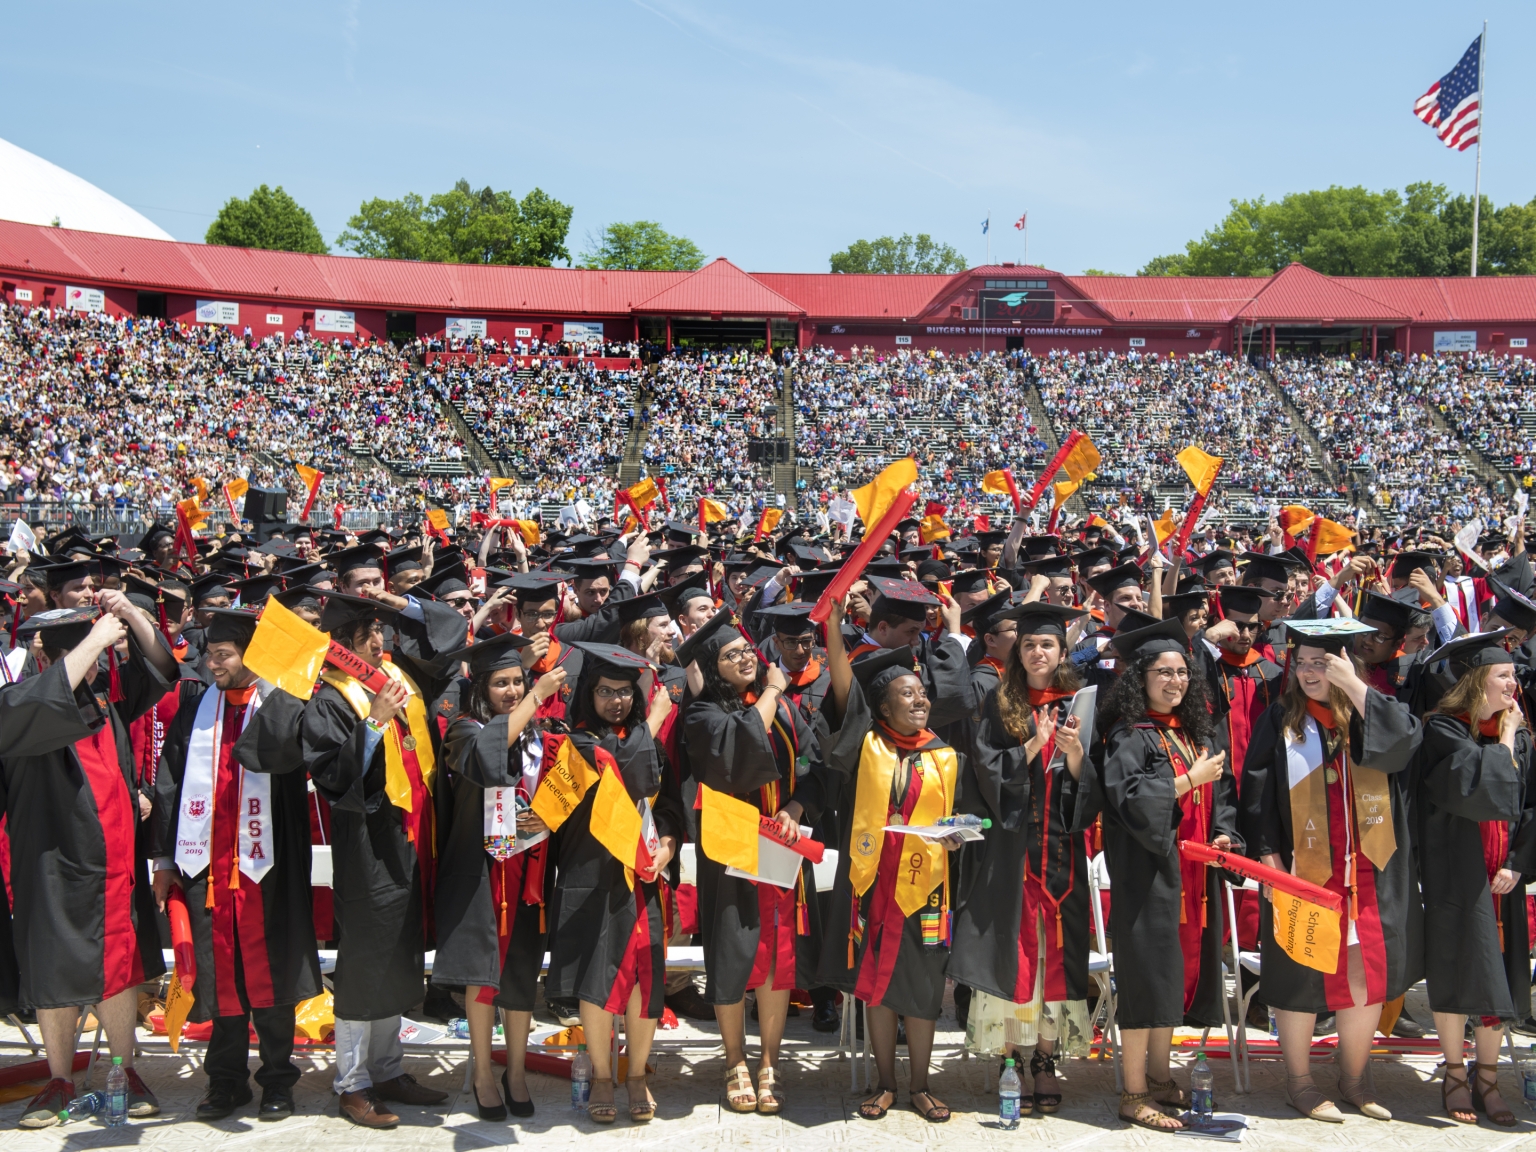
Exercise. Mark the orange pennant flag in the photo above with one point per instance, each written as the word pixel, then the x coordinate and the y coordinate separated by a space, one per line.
pixel 1334 537
pixel 711 512
pixel 192 512
pixel 1308 932
pixel 933 528
pixel 879 494
pixel 1295 520
pixel 1082 461
pixel 768 521
pixel 311 478
pixel 1165 527
pixel 497 483
pixel 287 651
pixel 616 823
pixel 644 494
pixel 1063 493
pixel 1200 467
pixel 200 486
pixel 564 786
pixel 529 530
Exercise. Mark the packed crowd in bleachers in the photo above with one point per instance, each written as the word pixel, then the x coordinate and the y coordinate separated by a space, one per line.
pixel 1484 397
pixel 702 409
pixel 962 415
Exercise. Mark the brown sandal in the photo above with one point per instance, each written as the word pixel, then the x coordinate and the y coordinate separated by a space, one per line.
pixel 739 1093
pixel 1447 1086
pixel 603 1113
pixel 640 1111
pixel 769 1098
pixel 1144 1114
pixel 1168 1092
pixel 1504 1119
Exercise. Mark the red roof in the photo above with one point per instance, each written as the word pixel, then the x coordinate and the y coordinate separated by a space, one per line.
pixel 1296 295
pixel 720 286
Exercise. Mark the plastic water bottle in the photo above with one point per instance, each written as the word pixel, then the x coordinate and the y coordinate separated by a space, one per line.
pixel 1202 1088
pixel 1528 1078
pixel 458 1028
pixel 1274 1025
pixel 1008 1093
pixel 91 1104
pixel 117 1095
pixel 581 1079
pixel 963 820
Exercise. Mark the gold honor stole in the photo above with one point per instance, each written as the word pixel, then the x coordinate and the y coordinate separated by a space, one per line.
pixel 397 782
pixel 1371 802
pixel 924 865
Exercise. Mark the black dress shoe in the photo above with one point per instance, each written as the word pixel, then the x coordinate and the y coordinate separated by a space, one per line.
pixel 825 1017
pixel 276 1103
pixel 520 1108
pixel 221 1100
pixel 493 1112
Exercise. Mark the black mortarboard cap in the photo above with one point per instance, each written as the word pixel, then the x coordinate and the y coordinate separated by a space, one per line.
pixel 230 626
pixel 1384 610
pixel 404 560
pixel 1478 650
pixel 612 661
pixel 1092 557
pixel 681 557
pixel 980 616
pixel 1404 564
pixel 712 635
pixel 490 655
pixel 1121 576
pixel 875 670
pixel 905 598
pixel 342 608
pixel 1211 561
pixel 891 568
pixel 810 585
pixel 354 559
pixel 1151 639
pixel 534 587
pixel 1239 598
pixel 1513 608
pixel 790 619
pixel 971 580
pixel 60 627
pixel 1262 566
pixel 1039 618
pixel 302 596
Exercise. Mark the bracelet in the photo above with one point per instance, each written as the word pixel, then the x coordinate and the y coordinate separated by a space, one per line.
pixel 374 725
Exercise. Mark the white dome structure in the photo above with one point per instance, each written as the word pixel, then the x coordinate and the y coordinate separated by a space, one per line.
pixel 33 191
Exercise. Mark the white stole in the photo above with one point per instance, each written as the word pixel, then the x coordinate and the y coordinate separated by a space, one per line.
pixel 194 825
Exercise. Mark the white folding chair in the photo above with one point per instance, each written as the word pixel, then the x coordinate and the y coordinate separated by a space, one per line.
pixel 1101 963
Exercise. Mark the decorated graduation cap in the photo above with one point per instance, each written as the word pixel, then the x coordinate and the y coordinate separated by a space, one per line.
pixel 1479 650
pixel 60 628
pixel 789 619
pixel 1385 610
pixel 1331 633
pixel 1263 566
pixel 1038 618
pixel 711 636
pixel 344 610
pixel 1152 639
pixel 905 598
pixel 1241 598
pixel 876 671
pixel 231 626
pixel 278 547
pixel 972 580
pixel 1106 584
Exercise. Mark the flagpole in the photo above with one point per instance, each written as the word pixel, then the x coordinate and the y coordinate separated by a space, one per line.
pixel 989 211
pixel 1477 185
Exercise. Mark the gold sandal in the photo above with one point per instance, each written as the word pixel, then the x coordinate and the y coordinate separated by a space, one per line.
pixel 1144 1114
pixel 640 1111
pixel 769 1100
pixel 739 1093
pixel 1168 1092
pixel 601 1113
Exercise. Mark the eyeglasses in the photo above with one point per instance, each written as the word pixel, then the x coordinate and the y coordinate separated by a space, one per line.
pixel 796 642
pixel 1168 674
pixel 1250 626
pixel 614 693
pixel 740 656
pixel 545 617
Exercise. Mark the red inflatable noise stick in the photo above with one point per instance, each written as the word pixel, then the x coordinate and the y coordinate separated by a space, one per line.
pixel 181 937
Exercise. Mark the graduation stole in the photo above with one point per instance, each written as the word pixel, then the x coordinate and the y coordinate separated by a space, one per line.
pixel 199 788
pixel 1040 811
pixel 1367 801
pixel 417 742
pixel 924 865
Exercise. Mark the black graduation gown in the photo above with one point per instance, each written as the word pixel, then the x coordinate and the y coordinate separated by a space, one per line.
pixel 1387 738
pixel 84 915
pixel 10 978
pixel 1477 950
pixel 731 752
pixel 268 745
pixel 916 986
pixel 593 913
pixel 998 784
pixel 1141 823
pixel 377 884
pixel 469 889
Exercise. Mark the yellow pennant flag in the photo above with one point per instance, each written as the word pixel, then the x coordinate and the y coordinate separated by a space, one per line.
pixel 287 651
pixel 529 530
pixel 711 512
pixel 178 1005
pixel 728 829
pixel 497 483
pixel 1308 932
pixel 1082 460
pixel 933 528
pixel 1063 492
pixel 563 787
pixel 1334 537
pixel 200 486
pixel 316 1017
pixel 1294 519
pixel 438 518
pixel 1165 527
pixel 1200 467
pixel 192 512
pixel 645 493
pixel 996 483
pixel 876 497
pixel 616 823
pixel 310 476
pixel 768 521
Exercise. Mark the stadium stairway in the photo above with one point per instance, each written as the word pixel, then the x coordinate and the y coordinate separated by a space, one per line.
pixel 1041 419
pixel 1482 467
pixel 480 457
pixel 634 443
pixel 785 476
pixel 1322 460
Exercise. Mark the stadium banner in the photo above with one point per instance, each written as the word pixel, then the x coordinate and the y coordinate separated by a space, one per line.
pixel 83 299
pixel 218 312
pixel 1034 304
pixel 586 332
pixel 330 320
pixel 463 328
pixel 1456 341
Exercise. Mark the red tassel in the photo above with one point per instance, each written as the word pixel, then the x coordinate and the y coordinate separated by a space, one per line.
pixel 165 624
pixel 114 680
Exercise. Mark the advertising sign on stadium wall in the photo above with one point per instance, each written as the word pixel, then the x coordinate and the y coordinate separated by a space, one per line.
pixel 585 332
pixel 1456 341
pixel 462 328
pixel 84 299
pixel 218 312
pixel 329 320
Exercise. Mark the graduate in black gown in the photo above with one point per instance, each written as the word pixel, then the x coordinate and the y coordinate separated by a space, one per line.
pixel 83 914
pixel 608 935
pixel 1022 918
pixel 1477 827
pixel 746 741
pixel 887 941
pixel 231 830
pixel 1335 753
pixel 374 757
pixel 493 875
pixel 1161 783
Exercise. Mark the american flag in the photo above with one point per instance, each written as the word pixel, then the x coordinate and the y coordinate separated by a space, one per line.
pixel 1451 106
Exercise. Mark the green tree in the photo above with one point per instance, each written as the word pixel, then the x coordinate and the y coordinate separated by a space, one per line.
pixel 268 218
pixel 463 226
pixel 1172 265
pixel 1102 272
pixel 906 254
pixel 642 246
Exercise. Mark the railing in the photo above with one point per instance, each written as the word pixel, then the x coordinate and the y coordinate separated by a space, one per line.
pixel 128 520
pixel 471 359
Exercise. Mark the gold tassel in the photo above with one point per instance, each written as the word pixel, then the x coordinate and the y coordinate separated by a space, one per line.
pixel 234 875
pixel 1060 942
pixel 503 929
pixel 543 928
pixel 1183 911
pixel 208 903
pixel 1204 900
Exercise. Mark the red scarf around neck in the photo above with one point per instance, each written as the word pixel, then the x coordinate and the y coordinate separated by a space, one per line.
pixel 1164 719
pixel 1039 697
pixel 1488 727
pixel 912 743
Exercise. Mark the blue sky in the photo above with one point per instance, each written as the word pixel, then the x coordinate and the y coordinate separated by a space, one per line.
pixel 771 134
